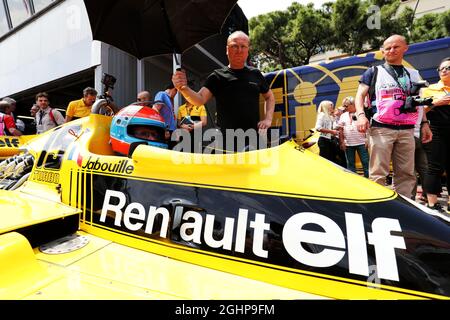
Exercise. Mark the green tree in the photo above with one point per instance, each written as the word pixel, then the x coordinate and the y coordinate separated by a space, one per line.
pixel 310 32
pixel 283 39
pixel 431 26
pixel 269 40
pixel 349 22
pixel 362 25
pixel 445 18
pixel 391 22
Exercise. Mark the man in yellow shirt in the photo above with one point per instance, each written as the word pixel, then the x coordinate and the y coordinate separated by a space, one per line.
pixel 188 113
pixel 192 118
pixel 81 108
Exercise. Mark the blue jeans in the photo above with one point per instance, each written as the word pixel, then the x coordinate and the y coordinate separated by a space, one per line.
pixel 350 152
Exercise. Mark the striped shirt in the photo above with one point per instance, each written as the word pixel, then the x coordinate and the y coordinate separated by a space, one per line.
pixel 352 136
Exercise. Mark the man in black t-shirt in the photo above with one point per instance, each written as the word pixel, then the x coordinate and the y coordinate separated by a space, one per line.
pixel 236 88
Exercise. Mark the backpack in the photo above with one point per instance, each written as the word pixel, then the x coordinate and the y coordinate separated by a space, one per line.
pixel 371 92
pixel 52 117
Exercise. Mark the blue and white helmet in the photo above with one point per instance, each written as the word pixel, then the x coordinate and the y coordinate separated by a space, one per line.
pixel 131 117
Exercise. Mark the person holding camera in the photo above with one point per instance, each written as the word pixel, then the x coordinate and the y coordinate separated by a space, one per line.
pixel 81 108
pixel 391 134
pixel 438 150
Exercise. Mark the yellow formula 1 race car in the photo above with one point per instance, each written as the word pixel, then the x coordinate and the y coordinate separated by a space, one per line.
pixel 79 222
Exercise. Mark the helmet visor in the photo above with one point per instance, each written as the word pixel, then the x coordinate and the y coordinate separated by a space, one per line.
pixel 148 133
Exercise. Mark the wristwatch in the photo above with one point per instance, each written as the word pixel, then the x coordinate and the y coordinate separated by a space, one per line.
pixel 425 122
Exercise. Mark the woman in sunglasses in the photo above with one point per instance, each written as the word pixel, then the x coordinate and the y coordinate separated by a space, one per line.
pixel 438 150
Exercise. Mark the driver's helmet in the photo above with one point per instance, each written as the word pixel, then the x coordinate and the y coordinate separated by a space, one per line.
pixel 139 124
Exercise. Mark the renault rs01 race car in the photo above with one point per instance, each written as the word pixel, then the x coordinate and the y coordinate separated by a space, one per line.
pixel 80 222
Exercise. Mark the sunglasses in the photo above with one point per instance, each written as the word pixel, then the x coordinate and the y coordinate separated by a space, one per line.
pixel 447 68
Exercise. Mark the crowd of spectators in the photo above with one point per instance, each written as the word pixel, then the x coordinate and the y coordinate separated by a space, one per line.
pixel 412 142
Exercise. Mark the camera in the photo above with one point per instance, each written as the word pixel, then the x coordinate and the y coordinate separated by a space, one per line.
pixel 414 99
pixel 108 80
pixel 412 102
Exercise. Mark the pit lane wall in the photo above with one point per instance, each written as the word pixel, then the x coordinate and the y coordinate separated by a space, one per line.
pixel 298 91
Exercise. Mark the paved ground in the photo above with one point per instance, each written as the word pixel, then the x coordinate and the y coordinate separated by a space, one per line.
pixel 443 198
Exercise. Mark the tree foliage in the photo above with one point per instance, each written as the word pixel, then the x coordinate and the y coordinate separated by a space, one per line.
pixel 391 22
pixel 362 25
pixel 283 39
pixel 310 31
pixel 270 39
pixel 431 26
pixel 349 19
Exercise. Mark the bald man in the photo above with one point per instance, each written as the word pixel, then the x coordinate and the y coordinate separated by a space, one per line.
pixel 236 87
pixel 391 132
pixel 144 96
